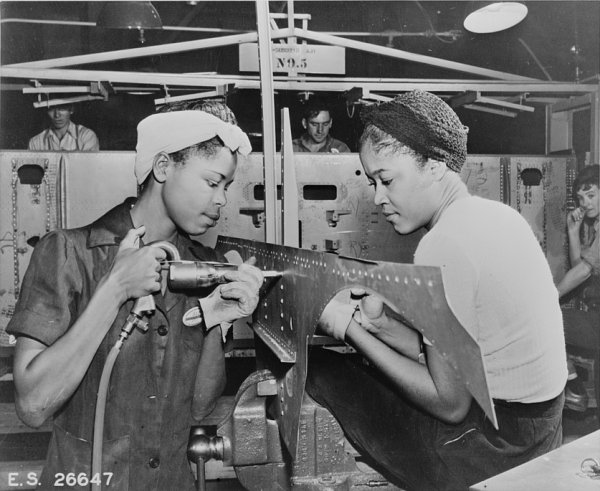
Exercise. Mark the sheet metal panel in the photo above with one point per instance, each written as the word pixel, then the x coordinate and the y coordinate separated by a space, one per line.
pixel 544 205
pixel 85 185
pixel 27 212
pixel 483 177
pixel 291 305
pixel 348 223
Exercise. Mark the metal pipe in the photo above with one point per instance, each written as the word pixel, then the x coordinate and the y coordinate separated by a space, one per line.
pixel 124 77
pixel 79 23
pixel 139 52
pixel 67 100
pixel 290 201
pixel 252 37
pixel 405 55
pixel 301 83
pixel 594 128
pixel 187 97
pixel 272 224
pixel 535 58
pixel 451 33
pixel 499 112
pixel 509 105
pixel 290 19
pixel 57 90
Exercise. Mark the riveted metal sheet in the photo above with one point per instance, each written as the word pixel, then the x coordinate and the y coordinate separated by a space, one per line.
pixel 27 213
pixel 544 205
pixel 291 305
pixel 336 211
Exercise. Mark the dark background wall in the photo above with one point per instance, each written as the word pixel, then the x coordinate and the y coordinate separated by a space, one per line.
pixel 115 121
pixel 551 30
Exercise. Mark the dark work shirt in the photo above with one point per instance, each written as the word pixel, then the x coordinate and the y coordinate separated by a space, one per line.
pixel 331 145
pixel 150 401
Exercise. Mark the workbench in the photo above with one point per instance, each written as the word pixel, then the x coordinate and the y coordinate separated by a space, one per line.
pixel 555 471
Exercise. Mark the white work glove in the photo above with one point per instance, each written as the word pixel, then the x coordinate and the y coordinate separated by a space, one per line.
pixel 234 300
pixel 336 317
pixel 370 314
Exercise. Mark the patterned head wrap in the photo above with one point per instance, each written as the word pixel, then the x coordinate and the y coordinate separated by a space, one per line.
pixel 423 122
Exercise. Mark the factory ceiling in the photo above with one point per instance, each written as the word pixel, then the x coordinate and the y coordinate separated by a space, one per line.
pixel 550 57
pixel 557 41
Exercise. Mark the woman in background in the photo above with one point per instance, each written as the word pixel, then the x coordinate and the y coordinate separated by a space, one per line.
pixel 582 324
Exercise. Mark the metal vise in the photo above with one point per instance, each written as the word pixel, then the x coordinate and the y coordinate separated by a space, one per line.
pixel 275 436
pixel 248 439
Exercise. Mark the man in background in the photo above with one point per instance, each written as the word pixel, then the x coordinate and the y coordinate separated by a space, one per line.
pixel 63 134
pixel 317 122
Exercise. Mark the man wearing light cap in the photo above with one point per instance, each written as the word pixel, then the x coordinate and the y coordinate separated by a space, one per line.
pixel 80 287
pixel 406 410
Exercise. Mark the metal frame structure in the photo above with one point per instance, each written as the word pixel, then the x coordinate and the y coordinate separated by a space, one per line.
pixel 286 321
pixel 493 88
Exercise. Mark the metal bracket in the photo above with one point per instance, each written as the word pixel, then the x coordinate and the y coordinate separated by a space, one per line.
pixel 102 88
pixel 333 216
pixel 290 307
pixel 257 215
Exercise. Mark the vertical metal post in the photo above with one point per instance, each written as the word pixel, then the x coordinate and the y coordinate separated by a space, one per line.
pixel 61 179
pixel 595 127
pixel 201 475
pixel 548 139
pixel 293 71
pixel 289 220
pixel 291 22
pixel 271 165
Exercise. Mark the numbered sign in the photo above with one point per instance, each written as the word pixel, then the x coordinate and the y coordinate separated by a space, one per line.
pixel 303 58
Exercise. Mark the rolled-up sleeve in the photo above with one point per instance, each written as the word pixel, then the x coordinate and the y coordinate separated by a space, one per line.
pixel 52 280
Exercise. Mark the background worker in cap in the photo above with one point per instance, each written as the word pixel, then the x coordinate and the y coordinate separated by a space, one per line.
pixel 64 134
pixel 407 412
pixel 80 288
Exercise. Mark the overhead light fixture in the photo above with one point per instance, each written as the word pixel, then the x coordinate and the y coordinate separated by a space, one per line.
pixel 129 15
pixel 495 17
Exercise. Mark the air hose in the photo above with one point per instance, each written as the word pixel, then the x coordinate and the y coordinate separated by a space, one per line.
pixel 135 319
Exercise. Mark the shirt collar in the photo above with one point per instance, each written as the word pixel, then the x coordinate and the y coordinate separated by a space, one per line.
pixel 110 229
pixel 71 131
pixel 305 142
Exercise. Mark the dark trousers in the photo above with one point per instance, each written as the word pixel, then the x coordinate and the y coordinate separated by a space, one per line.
pixel 582 329
pixel 417 451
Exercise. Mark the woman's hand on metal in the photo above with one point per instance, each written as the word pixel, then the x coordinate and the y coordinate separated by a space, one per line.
pixel 370 314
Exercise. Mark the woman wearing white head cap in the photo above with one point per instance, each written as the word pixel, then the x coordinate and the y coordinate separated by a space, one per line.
pixel 80 288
